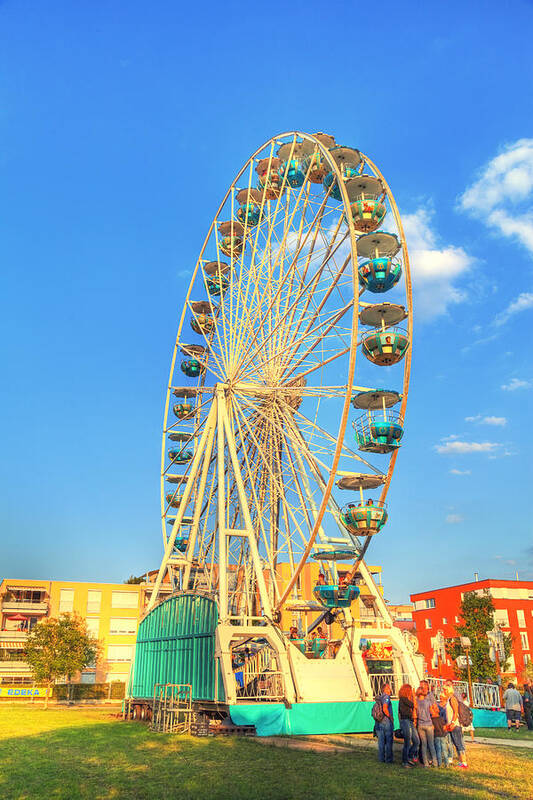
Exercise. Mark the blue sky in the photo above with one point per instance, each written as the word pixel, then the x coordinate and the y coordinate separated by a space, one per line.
pixel 122 125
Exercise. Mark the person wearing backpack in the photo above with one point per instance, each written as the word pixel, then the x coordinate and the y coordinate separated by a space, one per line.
pixel 453 724
pixel 384 727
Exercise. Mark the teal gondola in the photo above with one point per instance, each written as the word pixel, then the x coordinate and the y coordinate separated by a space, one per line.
pixel 385 347
pixel 180 455
pixel 364 519
pixel 336 596
pixel 376 433
pixel 378 275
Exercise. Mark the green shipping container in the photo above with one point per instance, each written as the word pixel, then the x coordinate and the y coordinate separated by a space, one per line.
pixel 176 644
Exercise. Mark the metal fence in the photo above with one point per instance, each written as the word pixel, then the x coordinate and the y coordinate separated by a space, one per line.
pixel 437 685
pixel 267 685
pixel 378 681
pixel 485 695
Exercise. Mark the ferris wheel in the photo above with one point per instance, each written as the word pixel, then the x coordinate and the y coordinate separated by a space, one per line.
pixel 279 442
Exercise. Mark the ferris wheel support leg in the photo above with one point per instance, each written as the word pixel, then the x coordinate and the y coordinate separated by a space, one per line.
pixel 361 673
pixel 181 511
pixel 222 543
pixel 258 567
pixel 198 507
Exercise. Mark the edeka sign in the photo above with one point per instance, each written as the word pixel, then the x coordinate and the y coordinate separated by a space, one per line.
pixel 18 691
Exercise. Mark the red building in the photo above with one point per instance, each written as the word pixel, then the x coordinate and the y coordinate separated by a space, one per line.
pixel 438 610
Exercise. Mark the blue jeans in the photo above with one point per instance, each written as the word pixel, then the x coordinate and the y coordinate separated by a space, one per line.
pixel 427 740
pixel 441 749
pixel 457 739
pixel 384 731
pixel 411 741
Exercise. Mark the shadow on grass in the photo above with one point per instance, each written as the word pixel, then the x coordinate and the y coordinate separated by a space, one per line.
pixel 126 760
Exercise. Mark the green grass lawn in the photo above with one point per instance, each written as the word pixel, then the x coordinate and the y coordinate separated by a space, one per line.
pixel 503 733
pixel 88 753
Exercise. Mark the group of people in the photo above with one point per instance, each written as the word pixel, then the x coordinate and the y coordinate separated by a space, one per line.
pixel 430 726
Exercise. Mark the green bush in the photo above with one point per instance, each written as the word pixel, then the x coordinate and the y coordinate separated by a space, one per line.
pixel 89 691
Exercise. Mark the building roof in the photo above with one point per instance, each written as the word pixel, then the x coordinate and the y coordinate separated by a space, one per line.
pixel 482 584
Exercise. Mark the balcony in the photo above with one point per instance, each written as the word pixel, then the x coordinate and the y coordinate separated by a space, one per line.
pixel 24 607
pixel 12 639
pixel 11 667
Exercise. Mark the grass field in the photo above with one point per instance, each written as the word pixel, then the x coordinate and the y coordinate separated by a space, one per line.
pixel 503 733
pixel 77 753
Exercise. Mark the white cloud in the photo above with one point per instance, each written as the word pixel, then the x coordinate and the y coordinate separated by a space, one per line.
pixel 522 303
pixel 501 421
pixel 465 447
pixel 516 383
pixel 434 266
pixel 481 420
pixel 454 519
pixel 460 472
pixel 501 194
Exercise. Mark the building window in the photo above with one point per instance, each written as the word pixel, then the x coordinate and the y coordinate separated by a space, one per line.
pixel 122 627
pixel 524 641
pixel 66 601
pixel 88 677
pixel 501 617
pixel 430 603
pixel 119 652
pixel 527 659
pixel 521 617
pixel 444 620
pixel 124 599
pixel 94 601
pixel 428 623
pixel 93 626
pixel 457 620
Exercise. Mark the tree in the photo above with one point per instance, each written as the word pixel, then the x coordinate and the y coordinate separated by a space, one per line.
pixel 477 613
pixel 527 673
pixel 133 579
pixel 58 647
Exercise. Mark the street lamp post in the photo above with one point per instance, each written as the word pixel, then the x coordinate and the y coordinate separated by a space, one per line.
pixel 466 644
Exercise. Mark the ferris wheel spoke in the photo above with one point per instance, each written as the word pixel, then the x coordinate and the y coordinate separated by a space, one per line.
pixel 308 290
pixel 305 494
pixel 316 335
pixel 274 479
pixel 258 504
pixel 292 266
pixel 346 451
